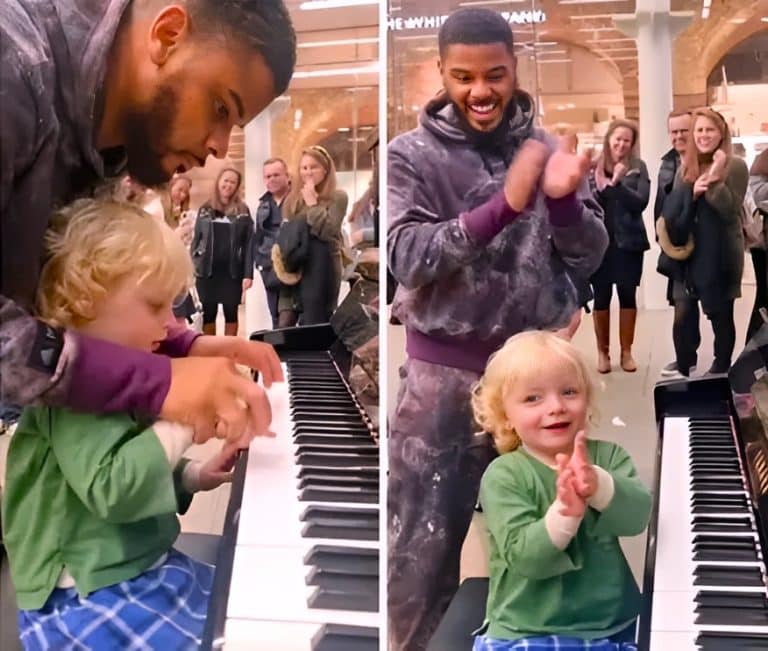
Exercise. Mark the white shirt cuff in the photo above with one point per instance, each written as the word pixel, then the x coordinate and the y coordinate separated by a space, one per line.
pixel 605 490
pixel 190 476
pixel 175 439
pixel 561 528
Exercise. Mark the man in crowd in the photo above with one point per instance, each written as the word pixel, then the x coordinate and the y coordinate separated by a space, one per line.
pixel 94 88
pixel 268 219
pixel 686 321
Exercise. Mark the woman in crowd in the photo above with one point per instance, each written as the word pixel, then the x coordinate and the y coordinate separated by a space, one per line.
pixel 172 206
pixel 315 200
pixel 222 251
pixel 620 182
pixel 704 209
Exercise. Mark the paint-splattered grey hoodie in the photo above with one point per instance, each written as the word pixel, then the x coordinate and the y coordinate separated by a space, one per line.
pixel 475 287
pixel 54 59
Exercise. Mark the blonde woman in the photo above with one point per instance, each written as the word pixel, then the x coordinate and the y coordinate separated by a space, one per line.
pixel 222 251
pixel 621 185
pixel 555 505
pixel 316 200
pixel 705 205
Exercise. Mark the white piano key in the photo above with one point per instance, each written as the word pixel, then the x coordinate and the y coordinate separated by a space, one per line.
pixel 666 641
pixel 252 635
pixel 271 585
pixel 674 538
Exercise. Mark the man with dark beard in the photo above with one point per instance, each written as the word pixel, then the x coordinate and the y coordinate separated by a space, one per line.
pixel 94 88
pixel 491 232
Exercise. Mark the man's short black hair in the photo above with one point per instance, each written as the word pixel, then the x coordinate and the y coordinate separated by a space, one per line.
pixel 475 26
pixel 263 25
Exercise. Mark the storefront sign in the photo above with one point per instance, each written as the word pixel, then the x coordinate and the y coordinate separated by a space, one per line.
pixel 435 21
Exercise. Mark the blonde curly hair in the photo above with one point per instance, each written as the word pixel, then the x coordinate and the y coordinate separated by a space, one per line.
pixel 93 244
pixel 521 357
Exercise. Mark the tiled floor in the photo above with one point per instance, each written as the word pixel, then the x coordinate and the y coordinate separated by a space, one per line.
pixel 625 405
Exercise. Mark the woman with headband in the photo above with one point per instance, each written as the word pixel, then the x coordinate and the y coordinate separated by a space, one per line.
pixel 315 200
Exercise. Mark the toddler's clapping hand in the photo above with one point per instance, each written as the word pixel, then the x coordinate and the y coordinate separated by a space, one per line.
pixel 584 473
pixel 573 504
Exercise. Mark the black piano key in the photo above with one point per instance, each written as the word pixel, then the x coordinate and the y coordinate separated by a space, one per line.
pixel 707 524
pixel 731 609
pixel 724 553
pixel 352 560
pixel 727 576
pixel 337 460
pixel 367 448
pixel 717 484
pixel 342 516
pixel 337 530
pixel 325 428
pixel 349 471
pixel 329 438
pixel 342 581
pixel 339 637
pixel 345 494
pixel 309 481
pixel 712 641
pixel 328 599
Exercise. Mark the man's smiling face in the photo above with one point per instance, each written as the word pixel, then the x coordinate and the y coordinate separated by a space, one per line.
pixel 480 80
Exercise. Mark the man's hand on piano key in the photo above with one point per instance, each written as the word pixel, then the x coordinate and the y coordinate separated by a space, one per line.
pixel 256 355
pixel 209 394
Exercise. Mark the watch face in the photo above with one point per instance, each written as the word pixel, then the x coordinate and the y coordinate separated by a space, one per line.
pixel 45 353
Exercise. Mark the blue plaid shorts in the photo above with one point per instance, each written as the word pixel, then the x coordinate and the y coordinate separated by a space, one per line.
pixel 161 609
pixel 550 643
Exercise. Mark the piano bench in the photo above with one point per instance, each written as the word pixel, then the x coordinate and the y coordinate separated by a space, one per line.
pixel 464 615
pixel 203 547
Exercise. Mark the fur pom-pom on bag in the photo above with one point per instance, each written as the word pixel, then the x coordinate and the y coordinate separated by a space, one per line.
pixel 278 266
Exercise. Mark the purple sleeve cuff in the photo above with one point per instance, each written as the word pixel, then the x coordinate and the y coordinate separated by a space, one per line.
pixel 178 342
pixel 565 211
pixel 487 220
pixel 108 378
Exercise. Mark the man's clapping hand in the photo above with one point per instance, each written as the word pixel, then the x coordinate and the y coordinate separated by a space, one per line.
pixel 523 174
pixel 564 173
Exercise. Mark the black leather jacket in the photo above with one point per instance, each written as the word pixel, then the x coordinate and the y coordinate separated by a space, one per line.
pixel 241 243
pixel 669 164
pixel 268 219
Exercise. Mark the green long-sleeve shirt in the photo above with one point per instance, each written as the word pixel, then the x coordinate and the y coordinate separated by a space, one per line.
pixel 587 589
pixel 94 494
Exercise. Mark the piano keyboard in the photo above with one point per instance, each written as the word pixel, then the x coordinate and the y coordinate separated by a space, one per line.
pixel 305 573
pixel 709 590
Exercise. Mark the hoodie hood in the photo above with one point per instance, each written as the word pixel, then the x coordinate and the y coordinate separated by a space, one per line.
pixel 441 117
pixel 89 28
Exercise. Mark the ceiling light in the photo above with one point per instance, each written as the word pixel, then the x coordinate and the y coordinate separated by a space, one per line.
pixel 308 74
pixel 343 129
pixel 343 41
pixel 591 2
pixel 764 19
pixel 704 13
pixel 555 61
pixel 607 40
pixel 334 4
pixel 590 17
pixel 322 130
